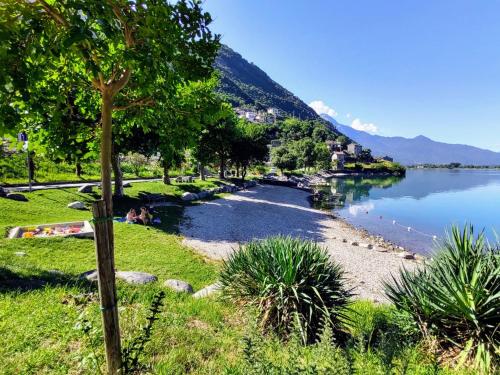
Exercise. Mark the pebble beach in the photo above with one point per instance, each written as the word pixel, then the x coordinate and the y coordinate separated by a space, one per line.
pixel 216 228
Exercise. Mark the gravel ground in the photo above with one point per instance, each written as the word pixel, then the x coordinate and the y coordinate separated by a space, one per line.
pixel 216 227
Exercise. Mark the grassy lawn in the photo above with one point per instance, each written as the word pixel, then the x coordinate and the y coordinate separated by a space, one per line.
pixel 37 322
pixel 43 304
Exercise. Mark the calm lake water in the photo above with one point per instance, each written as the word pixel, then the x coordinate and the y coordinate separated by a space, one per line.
pixel 427 201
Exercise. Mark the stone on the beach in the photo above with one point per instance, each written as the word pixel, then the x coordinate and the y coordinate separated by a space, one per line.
pixel 179 286
pixel 354 243
pixel 20 253
pixel 406 255
pixel 366 245
pixel 77 205
pixel 189 196
pixel 202 194
pixel 207 291
pixel 3 193
pixel 133 277
pixel 344 240
pixel 16 197
pixel 91 275
pixel 87 188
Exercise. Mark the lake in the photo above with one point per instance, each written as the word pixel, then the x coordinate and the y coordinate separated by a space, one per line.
pixel 410 211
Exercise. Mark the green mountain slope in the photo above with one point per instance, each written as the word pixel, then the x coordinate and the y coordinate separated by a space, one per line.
pixel 245 84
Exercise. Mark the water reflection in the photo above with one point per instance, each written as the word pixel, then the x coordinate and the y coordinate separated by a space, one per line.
pixel 427 201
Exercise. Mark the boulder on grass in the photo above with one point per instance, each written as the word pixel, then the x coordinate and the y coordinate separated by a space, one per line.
pixel 207 291
pixel 3 193
pixel 87 188
pixel 133 277
pixel 16 197
pixel 77 205
pixel 89 275
pixel 126 185
pixel 189 197
pixel 179 286
pixel 203 194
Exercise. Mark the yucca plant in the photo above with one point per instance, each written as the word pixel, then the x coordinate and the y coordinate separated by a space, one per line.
pixel 456 298
pixel 292 283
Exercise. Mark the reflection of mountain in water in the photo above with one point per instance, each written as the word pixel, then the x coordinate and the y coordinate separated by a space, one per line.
pixel 418 184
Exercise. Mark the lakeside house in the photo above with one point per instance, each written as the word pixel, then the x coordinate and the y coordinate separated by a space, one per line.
pixel 354 149
pixel 338 158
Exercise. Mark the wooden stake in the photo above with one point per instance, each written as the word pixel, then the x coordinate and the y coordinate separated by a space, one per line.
pixel 104 245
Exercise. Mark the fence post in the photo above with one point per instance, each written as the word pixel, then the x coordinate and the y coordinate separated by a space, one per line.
pixel 104 245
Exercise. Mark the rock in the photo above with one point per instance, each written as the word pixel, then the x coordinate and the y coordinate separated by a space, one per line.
pixel 178 179
pixel 250 184
pixel 16 197
pixel 406 255
pixel 77 205
pixel 133 277
pixel 207 291
pixel 87 188
pixel 344 240
pixel 189 197
pixel 202 194
pixel 89 275
pixel 366 245
pixel 179 286
pixel 3 193
pixel 354 243
pixel 20 254
pixel 187 179
pixel 126 185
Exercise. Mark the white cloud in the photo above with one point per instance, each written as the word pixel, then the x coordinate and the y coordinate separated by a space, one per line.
pixel 348 115
pixel 320 107
pixel 366 127
pixel 356 209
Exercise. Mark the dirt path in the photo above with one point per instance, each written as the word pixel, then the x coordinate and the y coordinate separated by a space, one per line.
pixel 216 227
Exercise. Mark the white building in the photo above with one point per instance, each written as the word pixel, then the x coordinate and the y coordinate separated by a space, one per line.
pixel 354 149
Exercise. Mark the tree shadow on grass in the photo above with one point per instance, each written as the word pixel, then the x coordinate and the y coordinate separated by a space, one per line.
pixel 11 281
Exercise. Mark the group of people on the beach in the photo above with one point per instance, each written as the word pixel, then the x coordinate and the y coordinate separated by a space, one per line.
pixel 143 218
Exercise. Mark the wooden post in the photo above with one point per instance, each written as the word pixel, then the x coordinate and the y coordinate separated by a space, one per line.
pixel 104 244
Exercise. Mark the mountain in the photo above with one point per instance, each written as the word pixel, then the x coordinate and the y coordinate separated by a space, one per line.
pixel 245 84
pixel 418 150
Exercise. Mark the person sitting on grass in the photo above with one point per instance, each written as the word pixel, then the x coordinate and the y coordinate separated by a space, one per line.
pixel 131 216
pixel 144 217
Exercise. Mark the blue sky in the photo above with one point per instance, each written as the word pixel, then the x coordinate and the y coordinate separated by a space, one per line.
pixel 395 67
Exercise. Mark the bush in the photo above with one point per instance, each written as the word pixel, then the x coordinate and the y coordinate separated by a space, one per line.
pixel 456 298
pixel 291 282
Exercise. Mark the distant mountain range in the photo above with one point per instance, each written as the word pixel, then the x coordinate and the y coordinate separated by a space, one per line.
pixel 245 84
pixel 418 150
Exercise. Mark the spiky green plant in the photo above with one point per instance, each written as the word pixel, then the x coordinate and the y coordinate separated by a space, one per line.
pixel 456 297
pixel 292 282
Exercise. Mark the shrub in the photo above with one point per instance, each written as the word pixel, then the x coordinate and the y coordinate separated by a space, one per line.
pixel 456 298
pixel 291 282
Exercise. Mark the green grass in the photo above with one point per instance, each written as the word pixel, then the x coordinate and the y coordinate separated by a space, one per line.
pixel 40 309
pixel 37 322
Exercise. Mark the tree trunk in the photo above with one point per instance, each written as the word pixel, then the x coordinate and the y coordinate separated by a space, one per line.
pixel 221 168
pixel 118 175
pixel 166 178
pixel 105 243
pixel 237 170
pixel 78 169
pixel 201 168
pixel 243 173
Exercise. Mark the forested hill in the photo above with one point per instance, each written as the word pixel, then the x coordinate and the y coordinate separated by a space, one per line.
pixel 244 83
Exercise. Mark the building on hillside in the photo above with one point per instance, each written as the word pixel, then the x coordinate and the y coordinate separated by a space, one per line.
pixel 275 112
pixel 354 149
pixel 338 158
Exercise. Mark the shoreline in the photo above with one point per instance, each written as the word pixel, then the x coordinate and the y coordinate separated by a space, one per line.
pixel 216 228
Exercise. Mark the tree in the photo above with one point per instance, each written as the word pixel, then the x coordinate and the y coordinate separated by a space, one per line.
pixel 321 156
pixel 249 146
pixel 121 54
pixel 215 141
pixel 283 159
